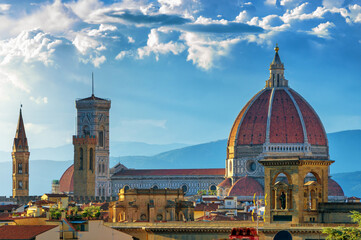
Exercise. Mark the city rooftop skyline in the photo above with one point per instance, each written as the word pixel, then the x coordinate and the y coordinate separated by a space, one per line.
pixel 175 71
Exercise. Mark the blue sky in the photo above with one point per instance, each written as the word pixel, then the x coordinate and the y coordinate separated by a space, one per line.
pixel 175 70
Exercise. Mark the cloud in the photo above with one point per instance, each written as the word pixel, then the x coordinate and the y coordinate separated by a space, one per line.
pixel 154 45
pixel 33 128
pixel 4 7
pixel 322 30
pixel 130 39
pixel 140 18
pixel 228 27
pixel 39 100
pixel 97 61
pixel 204 52
pixel 29 46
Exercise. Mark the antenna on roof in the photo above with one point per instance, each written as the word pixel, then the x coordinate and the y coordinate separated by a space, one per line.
pixel 92 84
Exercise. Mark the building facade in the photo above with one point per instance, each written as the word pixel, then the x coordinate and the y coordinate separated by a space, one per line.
pixel 151 205
pixel 20 156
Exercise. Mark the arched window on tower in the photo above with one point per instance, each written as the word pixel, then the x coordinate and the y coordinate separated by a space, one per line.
pixel 20 168
pixel 26 168
pixel 101 138
pixel 91 156
pixel 20 185
pixel 81 158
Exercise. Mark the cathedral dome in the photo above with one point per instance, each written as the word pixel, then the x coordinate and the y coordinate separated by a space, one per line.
pixel 246 186
pixel 277 120
pixel 66 183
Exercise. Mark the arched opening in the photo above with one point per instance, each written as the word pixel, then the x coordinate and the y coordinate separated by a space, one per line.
pixel 282 177
pixel 81 158
pixel 20 168
pixel 312 191
pixel 230 166
pixel 184 188
pixel 91 156
pixel 126 188
pixel 101 137
pixel 312 176
pixel 155 187
pixel 283 235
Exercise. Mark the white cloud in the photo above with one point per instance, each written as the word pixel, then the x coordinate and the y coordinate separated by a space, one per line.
pixel 204 52
pixel 33 128
pixel 242 17
pixel 39 100
pixel 4 7
pixel 122 54
pixel 102 30
pixel 322 30
pixel 154 45
pixel 131 40
pixel 33 45
pixel 332 3
pixel 97 61
pixel 84 43
pixel 11 82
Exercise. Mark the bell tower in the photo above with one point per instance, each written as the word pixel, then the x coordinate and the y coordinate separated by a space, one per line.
pixel 20 156
pixel 294 187
pixel 84 165
pixel 93 124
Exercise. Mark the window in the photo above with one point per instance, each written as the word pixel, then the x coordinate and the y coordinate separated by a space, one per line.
pixel 103 192
pixel 184 188
pixel 81 158
pixel 20 168
pixel 99 168
pixel 101 139
pixel 20 186
pixel 91 159
pixel 86 131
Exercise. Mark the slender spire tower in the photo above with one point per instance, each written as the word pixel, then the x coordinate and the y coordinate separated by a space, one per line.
pixel 277 69
pixel 20 155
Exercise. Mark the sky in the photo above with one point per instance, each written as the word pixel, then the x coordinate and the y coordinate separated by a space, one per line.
pixel 176 71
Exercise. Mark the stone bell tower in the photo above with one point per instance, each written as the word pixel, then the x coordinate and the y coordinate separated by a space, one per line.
pixel 20 156
pixel 93 128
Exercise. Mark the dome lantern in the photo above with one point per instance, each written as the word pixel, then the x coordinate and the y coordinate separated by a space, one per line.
pixel 277 69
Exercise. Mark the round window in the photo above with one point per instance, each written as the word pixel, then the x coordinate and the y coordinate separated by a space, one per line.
pixel 251 166
pixel 143 217
pixel 213 188
pixel 159 217
pixel 185 188
pixel 155 187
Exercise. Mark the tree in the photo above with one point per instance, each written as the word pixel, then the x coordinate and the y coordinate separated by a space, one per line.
pixel 91 212
pixel 346 233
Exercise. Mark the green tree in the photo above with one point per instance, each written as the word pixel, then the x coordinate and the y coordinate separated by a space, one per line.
pixel 345 233
pixel 91 212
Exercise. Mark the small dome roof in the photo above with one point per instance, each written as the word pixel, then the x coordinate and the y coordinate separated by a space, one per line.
pixel 246 186
pixel 226 183
pixel 66 183
pixel 334 189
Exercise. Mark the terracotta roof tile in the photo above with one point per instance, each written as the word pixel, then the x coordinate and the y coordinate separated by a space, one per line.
pixel 334 189
pixel 226 183
pixel 23 231
pixel 246 186
pixel 66 183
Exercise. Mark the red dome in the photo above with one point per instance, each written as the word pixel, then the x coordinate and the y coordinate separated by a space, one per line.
pixel 334 189
pixel 246 186
pixel 280 115
pixel 66 184
pixel 226 183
